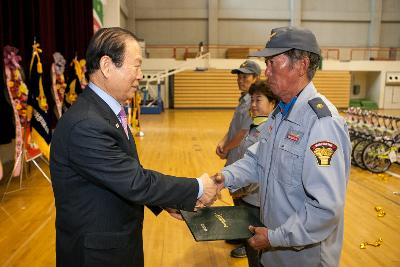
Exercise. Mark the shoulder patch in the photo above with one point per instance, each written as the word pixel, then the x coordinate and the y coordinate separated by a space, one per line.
pixel 323 152
pixel 319 107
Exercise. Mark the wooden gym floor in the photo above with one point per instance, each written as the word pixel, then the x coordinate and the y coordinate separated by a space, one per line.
pixel 182 142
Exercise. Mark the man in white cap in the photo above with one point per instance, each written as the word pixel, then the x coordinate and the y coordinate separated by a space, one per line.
pixel 301 162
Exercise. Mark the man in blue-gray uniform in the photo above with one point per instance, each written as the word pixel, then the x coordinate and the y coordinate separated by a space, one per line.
pixel 301 162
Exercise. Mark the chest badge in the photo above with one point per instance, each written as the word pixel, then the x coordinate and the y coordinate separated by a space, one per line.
pixel 323 152
pixel 294 136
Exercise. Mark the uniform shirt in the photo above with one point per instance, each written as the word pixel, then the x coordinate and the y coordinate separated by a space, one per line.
pixel 302 165
pixel 251 192
pixel 241 120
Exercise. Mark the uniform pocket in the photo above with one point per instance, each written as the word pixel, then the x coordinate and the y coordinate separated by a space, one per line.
pixel 288 167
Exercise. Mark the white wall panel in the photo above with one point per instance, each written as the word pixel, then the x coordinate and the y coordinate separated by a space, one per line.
pixel 341 23
pixel 233 32
pixel 338 10
pixel 172 31
pixel 171 9
pixel 254 4
pixel 112 13
pixel 254 10
pixel 391 10
pixel 337 6
pixel 390 34
pixel 339 33
pixel 172 14
pixel 171 4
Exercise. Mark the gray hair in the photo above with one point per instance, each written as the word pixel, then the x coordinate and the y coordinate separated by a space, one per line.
pixel 296 54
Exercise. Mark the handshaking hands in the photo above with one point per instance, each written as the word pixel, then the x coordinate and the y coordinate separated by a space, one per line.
pixel 211 189
pixel 219 180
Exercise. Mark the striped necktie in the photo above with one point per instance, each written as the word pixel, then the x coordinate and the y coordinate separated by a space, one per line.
pixel 124 121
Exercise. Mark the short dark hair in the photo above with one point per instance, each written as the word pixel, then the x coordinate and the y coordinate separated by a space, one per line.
pixel 296 54
pixel 262 87
pixel 107 42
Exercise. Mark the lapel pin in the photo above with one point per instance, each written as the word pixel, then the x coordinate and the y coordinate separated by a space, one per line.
pixel 117 125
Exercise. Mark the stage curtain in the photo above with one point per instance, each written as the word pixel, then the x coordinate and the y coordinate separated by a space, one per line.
pixel 64 26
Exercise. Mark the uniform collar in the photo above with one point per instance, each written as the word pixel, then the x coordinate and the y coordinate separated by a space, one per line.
pixel 275 112
pixel 244 97
pixel 295 114
pixel 286 107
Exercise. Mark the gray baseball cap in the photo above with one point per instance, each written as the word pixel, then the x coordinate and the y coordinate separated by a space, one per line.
pixel 286 38
pixel 248 67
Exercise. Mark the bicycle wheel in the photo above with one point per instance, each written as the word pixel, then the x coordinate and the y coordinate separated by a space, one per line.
pixel 358 152
pixel 354 141
pixel 397 150
pixel 375 157
pixel 396 138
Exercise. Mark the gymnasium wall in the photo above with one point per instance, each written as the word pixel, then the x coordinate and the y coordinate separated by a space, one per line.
pixel 345 23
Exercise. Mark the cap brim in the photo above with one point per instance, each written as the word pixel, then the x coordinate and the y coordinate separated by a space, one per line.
pixel 269 52
pixel 241 70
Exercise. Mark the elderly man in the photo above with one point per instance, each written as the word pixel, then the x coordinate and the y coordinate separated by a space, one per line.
pixel 301 162
pixel 99 185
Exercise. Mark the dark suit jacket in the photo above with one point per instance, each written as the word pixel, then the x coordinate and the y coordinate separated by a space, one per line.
pixel 100 188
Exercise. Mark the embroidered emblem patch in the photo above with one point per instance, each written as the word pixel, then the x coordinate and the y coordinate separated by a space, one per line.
pixel 323 152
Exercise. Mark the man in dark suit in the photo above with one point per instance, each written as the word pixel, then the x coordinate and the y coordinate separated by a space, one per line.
pixel 99 185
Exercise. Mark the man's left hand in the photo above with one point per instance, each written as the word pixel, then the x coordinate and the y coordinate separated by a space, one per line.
pixel 174 213
pixel 260 239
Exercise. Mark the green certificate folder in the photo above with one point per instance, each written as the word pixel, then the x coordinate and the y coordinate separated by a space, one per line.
pixel 221 223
